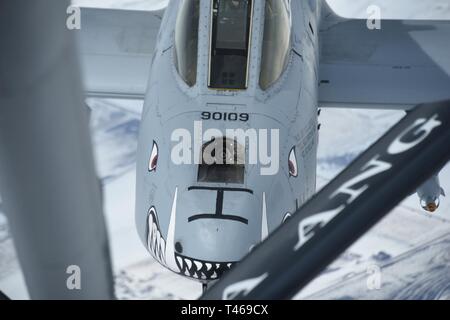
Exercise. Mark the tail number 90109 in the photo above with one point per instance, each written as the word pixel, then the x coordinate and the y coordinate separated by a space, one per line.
pixel 225 116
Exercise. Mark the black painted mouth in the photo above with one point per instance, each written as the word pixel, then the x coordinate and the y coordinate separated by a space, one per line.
pixel 200 269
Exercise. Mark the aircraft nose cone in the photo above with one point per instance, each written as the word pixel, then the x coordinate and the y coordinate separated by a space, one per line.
pixel 217 224
pixel 207 247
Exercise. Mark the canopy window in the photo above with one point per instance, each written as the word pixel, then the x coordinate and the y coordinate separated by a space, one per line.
pixel 230 38
pixel 276 42
pixel 186 40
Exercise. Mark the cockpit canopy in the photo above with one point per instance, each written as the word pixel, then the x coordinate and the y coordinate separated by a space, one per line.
pixel 186 40
pixel 276 42
pixel 230 38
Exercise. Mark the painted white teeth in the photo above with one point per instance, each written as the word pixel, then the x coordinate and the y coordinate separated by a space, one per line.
pixel 150 226
pixel 154 236
pixel 158 238
pixel 188 262
pixel 150 223
pixel 200 270
pixel 163 249
pixel 198 264
pixel 156 242
pixel 150 235
pixel 170 260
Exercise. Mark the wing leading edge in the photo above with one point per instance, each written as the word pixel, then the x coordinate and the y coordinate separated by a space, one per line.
pixel 116 51
pixel 405 63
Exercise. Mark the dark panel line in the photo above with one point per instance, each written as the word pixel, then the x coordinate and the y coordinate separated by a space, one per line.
pixel 219 217
pixel 219 203
pixel 221 189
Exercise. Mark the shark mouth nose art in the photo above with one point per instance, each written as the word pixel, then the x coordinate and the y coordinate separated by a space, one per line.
pixel 160 248
pixel 156 244
pixel 196 269
pixel 202 270
pixel 163 251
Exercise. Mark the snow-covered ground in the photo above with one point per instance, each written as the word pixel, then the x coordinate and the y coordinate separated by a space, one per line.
pixel 411 247
pixel 397 243
pixel 406 229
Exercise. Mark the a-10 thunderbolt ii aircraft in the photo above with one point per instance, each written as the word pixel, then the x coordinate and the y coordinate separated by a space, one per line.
pixel 203 65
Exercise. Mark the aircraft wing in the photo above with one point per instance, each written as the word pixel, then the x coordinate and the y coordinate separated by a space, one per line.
pixel 116 50
pixel 405 63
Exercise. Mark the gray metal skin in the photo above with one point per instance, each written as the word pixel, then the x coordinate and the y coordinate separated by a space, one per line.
pixel 204 249
pixel 48 181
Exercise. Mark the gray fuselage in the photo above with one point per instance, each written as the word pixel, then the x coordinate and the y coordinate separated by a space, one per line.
pixel 199 229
